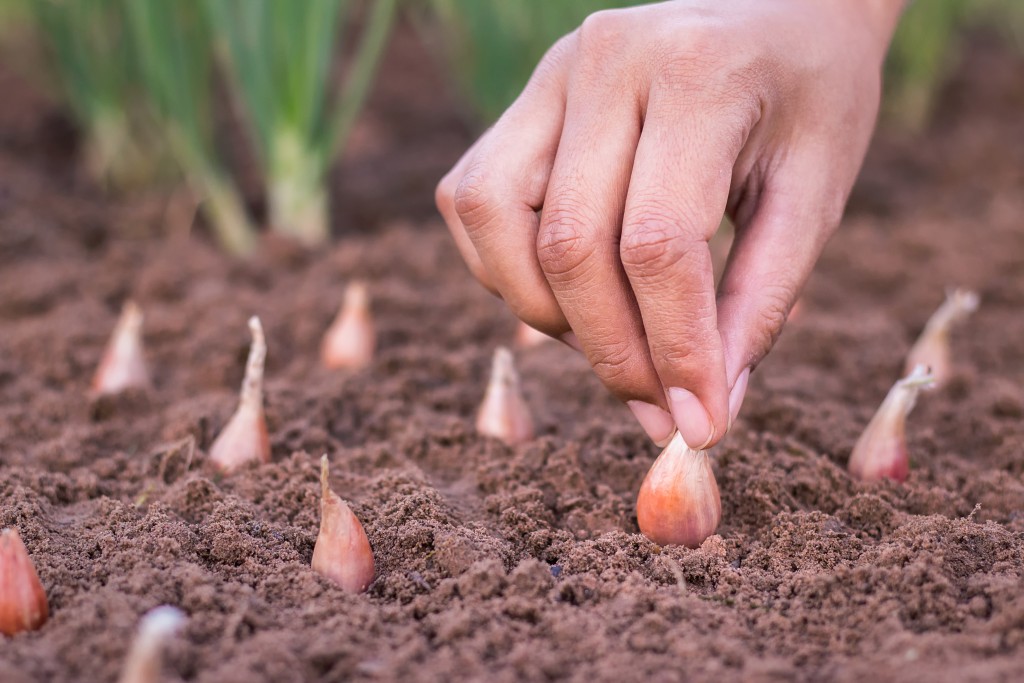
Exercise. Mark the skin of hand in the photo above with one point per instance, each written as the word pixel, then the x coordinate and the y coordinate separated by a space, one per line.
pixel 589 205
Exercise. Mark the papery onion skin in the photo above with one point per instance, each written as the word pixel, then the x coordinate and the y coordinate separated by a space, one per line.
pixel 245 438
pixel 504 413
pixel 881 451
pixel 351 340
pixel 679 502
pixel 342 552
pixel 123 365
pixel 932 348
pixel 23 604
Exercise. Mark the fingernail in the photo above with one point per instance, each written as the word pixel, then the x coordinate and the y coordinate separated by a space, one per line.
pixel 570 340
pixel 693 420
pixel 739 391
pixel 656 422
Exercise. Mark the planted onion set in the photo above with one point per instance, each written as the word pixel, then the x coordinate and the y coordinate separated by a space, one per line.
pixel 23 604
pixel 342 552
pixel 244 439
pixel 504 414
pixel 145 657
pixel 350 340
pixel 881 451
pixel 932 348
pixel 124 363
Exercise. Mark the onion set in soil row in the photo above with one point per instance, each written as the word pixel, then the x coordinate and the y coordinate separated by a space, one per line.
pixel 678 501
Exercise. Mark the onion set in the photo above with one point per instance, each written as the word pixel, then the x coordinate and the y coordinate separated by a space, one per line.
pixel 932 348
pixel 881 450
pixel 245 439
pixel 146 655
pixel 351 338
pixel 504 414
pixel 123 365
pixel 679 503
pixel 342 552
pixel 23 605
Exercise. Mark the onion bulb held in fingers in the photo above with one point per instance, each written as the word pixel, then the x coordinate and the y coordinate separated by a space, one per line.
pixel 881 450
pixel 342 552
pixel 244 439
pixel 679 503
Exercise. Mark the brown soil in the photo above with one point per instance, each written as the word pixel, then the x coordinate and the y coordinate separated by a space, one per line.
pixel 500 563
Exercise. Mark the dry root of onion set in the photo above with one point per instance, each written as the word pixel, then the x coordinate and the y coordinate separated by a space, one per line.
pixel 678 502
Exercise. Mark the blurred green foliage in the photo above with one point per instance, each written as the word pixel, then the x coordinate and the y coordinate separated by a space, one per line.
pixel 927 46
pixel 86 42
pixel 121 64
pixel 12 13
pixel 280 55
pixel 493 45
pixel 175 52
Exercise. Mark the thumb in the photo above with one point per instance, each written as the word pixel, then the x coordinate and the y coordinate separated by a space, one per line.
pixel 773 255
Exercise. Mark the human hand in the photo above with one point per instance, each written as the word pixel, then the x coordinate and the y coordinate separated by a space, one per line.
pixel 588 206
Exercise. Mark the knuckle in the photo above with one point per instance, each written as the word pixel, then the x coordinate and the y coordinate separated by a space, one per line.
pixel 703 76
pixel 473 197
pixel 444 193
pixel 690 57
pixel 652 245
pixel 688 347
pixel 676 357
pixel 600 32
pixel 686 68
pixel 556 56
pixel 772 315
pixel 613 363
pixel 563 245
